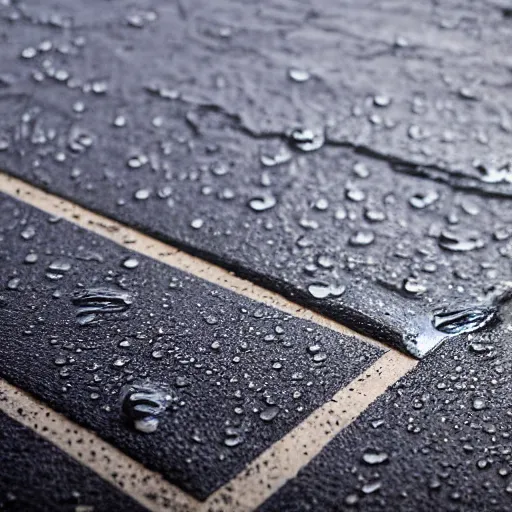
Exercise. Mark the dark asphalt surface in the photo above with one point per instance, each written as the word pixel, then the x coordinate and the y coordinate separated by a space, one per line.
pixel 37 477
pixel 440 439
pixel 353 156
pixel 77 326
pixel 282 140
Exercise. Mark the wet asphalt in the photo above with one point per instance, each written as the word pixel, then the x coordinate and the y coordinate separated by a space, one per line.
pixel 353 157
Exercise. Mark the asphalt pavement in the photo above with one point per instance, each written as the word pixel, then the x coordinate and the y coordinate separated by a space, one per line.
pixel 261 250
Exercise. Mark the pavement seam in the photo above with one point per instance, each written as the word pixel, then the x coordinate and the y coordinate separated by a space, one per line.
pixel 267 472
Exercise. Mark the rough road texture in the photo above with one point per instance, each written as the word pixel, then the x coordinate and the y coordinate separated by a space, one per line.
pixel 178 118
pixel 439 440
pixel 37 477
pixel 81 318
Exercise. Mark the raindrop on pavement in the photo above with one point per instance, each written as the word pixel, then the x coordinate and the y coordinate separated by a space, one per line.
pixel 93 301
pixel 464 320
pixel 130 262
pixel 262 203
pixel 269 413
pixel 460 241
pixel 373 458
pixel 142 405
pixel 361 238
pixel 323 290
pixel 298 75
pixel 423 199
pixel 307 140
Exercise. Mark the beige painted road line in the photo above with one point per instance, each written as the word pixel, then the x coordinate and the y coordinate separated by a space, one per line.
pixel 269 471
pixel 131 477
pixel 245 492
pixel 143 244
pixel 282 461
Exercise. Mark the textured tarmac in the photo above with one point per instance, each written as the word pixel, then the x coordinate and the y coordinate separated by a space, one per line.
pixel 37 477
pixel 353 157
pixel 438 440
pixel 82 318
pixel 350 182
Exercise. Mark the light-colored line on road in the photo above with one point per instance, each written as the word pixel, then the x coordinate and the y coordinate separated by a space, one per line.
pixel 251 487
pixel 132 478
pixel 271 469
pixel 143 244
pixel 282 461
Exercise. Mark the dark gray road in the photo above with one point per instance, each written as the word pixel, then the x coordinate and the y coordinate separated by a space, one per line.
pixel 36 476
pixel 353 156
pixel 197 124
pixel 79 325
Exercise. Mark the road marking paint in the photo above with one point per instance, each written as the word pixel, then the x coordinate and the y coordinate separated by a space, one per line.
pixel 131 477
pixel 165 253
pixel 282 461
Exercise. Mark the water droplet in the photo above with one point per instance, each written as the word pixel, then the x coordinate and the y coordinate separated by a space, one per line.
pixel 135 21
pixel 414 286
pixel 321 204
pixel 307 140
pixel 31 258
pixel 121 361
pixel 59 266
pixel 211 320
pixel 320 357
pixel 373 458
pixel 29 52
pixel 352 499
pixel 78 107
pixel 423 199
pixel 361 238
pixel 99 87
pixel 381 100
pixel 93 301
pixel 197 223
pixel 371 487
pixel 460 241
pixel 119 121
pixel 142 404
pixel 478 404
pixel 130 262
pixel 415 132
pixel 262 203
pixel 13 283
pixel 355 194
pixel 142 194
pixel 323 290
pixel 78 140
pixel 467 93
pixel 374 215
pixel 298 75
pixel 269 413
pixel 464 320
pixel 28 233
pixel 281 156
pixel 325 261
pixel 361 170
pixel 233 440
pixel 219 169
